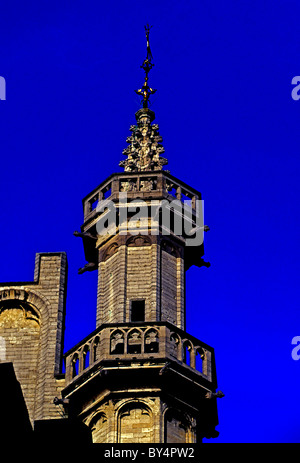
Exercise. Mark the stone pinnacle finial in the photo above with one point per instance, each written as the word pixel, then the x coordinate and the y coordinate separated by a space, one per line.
pixel 147 65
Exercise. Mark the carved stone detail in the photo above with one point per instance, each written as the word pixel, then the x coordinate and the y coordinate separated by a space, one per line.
pixel 111 250
pixel 148 184
pixel 138 240
pixel 13 294
pixel 128 185
pixel 144 150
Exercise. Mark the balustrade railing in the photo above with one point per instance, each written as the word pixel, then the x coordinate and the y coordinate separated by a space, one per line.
pixel 157 183
pixel 139 341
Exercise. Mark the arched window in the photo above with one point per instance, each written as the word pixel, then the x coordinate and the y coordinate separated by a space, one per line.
pixel 86 357
pixel 187 349
pixel 151 341
pixel 94 348
pixel 200 356
pixel 117 342
pixel 75 365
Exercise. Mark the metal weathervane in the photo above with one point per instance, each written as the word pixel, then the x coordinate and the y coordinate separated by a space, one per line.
pixel 147 65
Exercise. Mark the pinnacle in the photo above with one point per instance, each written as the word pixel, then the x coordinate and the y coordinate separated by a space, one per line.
pixel 144 145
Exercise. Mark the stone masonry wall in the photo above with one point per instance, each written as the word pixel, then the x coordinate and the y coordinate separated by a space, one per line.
pixel 31 328
pixel 140 419
pixel 126 420
pixel 21 333
pixel 141 272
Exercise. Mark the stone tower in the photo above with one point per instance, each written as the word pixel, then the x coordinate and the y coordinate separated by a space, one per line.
pixel 140 377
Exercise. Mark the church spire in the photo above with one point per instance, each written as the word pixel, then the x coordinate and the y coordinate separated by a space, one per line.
pixel 144 150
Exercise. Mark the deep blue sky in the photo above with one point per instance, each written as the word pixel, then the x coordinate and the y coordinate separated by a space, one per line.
pixel 223 71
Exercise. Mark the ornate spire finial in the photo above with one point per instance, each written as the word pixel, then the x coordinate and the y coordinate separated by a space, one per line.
pixel 145 148
pixel 147 65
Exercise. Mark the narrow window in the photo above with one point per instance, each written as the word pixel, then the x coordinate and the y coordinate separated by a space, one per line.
pixel 86 358
pixel 75 366
pixel 137 311
pixel 199 360
pixel 106 191
pixel 187 354
pixel 93 203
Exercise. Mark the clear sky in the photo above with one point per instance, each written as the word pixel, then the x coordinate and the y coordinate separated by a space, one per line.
pixel 223 71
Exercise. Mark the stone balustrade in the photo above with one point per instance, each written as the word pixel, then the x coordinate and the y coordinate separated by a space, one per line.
pixel 146 184
pixel 152 340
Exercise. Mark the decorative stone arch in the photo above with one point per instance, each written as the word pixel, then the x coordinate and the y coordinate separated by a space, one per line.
pixel 176 346
pixel 40 353
pixel 75 364
pixel 120 404
pixel 44 307
pixel 86 360
pixel 188 354
pixel 94 348
pixel 134 421
pixel 110 251
pixel 117 341
pixel 98 424
pixel 181 428
pixel 30 300
pixel 135 341
pixel 133 330
pixel 94 417
pixel 138 240
pixel 29 312
pixel 38 303
pixel 200 359
pixel 154 329
pixel 151 340
pixel 118 330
